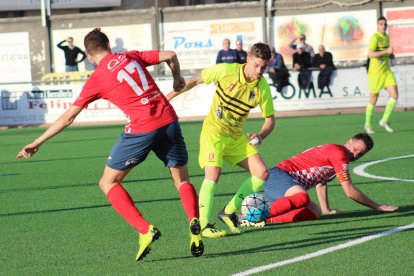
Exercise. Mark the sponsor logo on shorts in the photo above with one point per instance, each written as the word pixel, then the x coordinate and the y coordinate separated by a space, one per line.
pixel 131 162
pixel 211 156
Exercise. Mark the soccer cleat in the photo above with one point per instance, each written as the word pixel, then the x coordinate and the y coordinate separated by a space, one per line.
pixel 145 242
pixel 230 220
pixel 210 231
pixel 385 126
pixel 196 244
pixel 368 129
pixel 246 223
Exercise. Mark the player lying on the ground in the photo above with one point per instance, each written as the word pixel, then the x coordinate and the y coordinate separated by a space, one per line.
pixel 285 188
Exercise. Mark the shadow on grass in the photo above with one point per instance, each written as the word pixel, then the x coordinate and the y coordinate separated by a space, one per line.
pixel 66 186
pixel 35 212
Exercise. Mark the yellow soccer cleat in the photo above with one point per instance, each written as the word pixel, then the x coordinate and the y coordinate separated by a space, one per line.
pixel 210 231
pixel 145 242
pixel 230 220
pixel 196 244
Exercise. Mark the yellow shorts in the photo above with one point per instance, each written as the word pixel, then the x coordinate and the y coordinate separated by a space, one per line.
pixel 214 148
pixel 381 80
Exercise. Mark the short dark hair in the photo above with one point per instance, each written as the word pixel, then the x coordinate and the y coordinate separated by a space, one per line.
pixel 260 50
pixel 369 143
pixel 381 18
pixel 96 41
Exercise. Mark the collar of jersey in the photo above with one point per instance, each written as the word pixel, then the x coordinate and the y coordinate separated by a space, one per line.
pixel 381 35
pixel 243 80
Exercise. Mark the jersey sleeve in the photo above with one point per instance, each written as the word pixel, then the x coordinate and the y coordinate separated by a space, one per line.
pixel 373 41
pixel 147 58
pixel 90 92
pixel 266 100
pixel 340 163
pixel 217 72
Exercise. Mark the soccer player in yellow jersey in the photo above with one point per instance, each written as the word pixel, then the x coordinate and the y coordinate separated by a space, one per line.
pixel 239 88
pixel 380 76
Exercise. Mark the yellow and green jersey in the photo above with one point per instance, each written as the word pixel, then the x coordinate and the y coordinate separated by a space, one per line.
pixel 234 98
pixel 379 42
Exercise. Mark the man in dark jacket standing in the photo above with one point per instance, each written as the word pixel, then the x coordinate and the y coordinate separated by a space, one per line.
pixel 71 54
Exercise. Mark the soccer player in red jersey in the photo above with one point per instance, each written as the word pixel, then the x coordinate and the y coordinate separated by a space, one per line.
pixel 285 188
pixel 123 80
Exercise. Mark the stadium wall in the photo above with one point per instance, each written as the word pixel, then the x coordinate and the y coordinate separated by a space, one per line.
pixel 43 104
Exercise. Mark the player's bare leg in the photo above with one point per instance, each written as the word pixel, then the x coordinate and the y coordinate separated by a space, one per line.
pixel 189 199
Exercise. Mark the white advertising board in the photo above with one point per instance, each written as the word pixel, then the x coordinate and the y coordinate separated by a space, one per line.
pixel 121 38
pixel 198 42
pixel 15 57
pixel 29 105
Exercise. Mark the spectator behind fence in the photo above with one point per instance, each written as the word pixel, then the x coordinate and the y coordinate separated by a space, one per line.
pixel 302 40
pixel 227 55
pixel 71 54
pixel 242 54
pixel 301 63
pixel 277 70
pixel 324 61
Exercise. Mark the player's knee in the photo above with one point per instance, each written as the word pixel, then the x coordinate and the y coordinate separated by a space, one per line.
pixel 106 185
pixel 315 209
pixel 303 198
pixel 262 173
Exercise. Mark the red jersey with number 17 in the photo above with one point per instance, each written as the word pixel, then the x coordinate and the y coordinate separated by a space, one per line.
pixel 318 165
pixel 123 80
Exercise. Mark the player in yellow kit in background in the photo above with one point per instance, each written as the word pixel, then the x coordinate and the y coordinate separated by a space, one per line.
pixel 239 88
pixel 380 76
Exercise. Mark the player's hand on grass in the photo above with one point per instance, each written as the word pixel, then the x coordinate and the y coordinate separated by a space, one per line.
pixel 386 208
pixel 332 212
pixel 28 151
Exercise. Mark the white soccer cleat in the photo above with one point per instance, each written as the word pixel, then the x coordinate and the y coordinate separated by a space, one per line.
pixel 368 129
pixel 386 126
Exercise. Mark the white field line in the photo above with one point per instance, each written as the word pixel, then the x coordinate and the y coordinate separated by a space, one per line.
pixel 360 170
pixel 323 251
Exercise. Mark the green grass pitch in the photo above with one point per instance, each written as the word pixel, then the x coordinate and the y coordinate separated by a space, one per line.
pixel 55 220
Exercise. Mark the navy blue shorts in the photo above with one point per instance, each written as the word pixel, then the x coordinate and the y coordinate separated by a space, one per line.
pixel 277 184
pixel 166 142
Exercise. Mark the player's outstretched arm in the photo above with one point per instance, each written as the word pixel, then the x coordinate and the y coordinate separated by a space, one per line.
pixel 65 120
pixel 170 57
pixel 355 194
pixel 322 193
pixel 189 84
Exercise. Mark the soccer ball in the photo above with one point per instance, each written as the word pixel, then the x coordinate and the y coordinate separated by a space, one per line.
pixel 254 208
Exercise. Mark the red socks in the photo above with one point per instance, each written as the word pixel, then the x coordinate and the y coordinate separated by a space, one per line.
pixel 189 199
pixel 300 214
pixel 288 203
pixel 122 202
